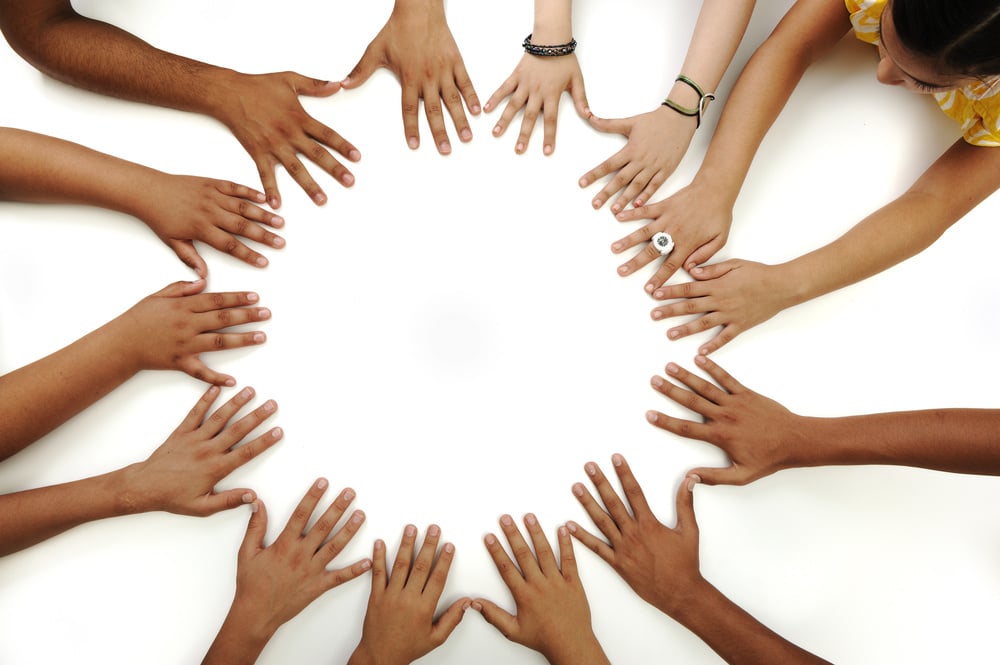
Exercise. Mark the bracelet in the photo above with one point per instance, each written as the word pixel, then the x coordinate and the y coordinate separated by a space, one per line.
pixel 703 100
pixel 548 50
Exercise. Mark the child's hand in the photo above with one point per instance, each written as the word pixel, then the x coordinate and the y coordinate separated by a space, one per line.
pixel 216 212
pixel 659 563
pixel 758 434
pixel 656 144
pixel 735 294
pixel 399 624
pixel 180 476
pixel 274 584
pixel 553 616
pixel 169 329
pixel 697 217
pixel 536 86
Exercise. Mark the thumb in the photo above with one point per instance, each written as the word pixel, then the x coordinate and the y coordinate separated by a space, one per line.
pixel 713 271
pixel 253 539
pixel 497 617
pixel 616 126
pixel 685 503
pixel 449 620
pixel 579 94
pixel 728 475
pixel 185 251
pixel 217 502
pixel 180 289
pixel 362 71
pixel 314 87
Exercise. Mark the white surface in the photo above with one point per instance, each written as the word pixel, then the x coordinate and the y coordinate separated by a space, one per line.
pixel 476 373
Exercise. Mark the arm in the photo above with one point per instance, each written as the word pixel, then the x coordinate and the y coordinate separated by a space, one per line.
pixel 538 82
pixel 657 140
pixel 761 436
pixel 661 565
pixel 417 46
pixel 738 295
pixel 179 209
pixel 399 623
pixel 698 216
pixel 553 616
pixel 274 584
pixel 179 477
pixel 167 330
pixel 263 112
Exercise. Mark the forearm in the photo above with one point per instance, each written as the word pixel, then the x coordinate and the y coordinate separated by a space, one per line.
pixel 954 440
pixel 240 640
pixel 27 518
pixel 808 31
pixel 553 22
pixel 97 56
pixel 957 182
pixel 41 396
pixel 580 650
pixel 733 633
pixel 40 168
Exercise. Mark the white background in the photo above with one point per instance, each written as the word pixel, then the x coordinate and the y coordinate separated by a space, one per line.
pixel 450 339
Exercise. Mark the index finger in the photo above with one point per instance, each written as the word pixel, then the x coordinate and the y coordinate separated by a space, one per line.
pixel 296 525
pixel 633 492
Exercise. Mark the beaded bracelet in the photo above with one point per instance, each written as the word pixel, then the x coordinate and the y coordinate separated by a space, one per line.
pixel 703 100
pixel 549 50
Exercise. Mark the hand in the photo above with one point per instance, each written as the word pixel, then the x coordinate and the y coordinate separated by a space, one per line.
pixel 264 113
pixel 169 329
pixel 553 616
pixel 659 563
pixel 536 85
pixel 399 623
pixel 417 46
pixel 735 294
pixel 757 433
pixel 697 217
pixel 180 476
pixel 274 584
pixel 656 144
pixel 183 209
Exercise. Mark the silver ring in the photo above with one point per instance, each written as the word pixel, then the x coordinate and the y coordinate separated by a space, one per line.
pixel 663 242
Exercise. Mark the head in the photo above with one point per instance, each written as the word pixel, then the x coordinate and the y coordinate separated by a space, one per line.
pixel 936 45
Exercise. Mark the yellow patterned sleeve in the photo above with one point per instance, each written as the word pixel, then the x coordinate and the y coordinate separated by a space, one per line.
pixel 866 17
pixel 977 109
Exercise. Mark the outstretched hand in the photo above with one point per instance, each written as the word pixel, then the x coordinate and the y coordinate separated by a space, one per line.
pixel 758 434
pixel 417 46
pixel 536 86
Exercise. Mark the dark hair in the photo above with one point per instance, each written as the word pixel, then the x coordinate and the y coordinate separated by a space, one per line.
pixel 961 36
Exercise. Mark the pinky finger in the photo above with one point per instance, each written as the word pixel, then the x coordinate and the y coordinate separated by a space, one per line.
pixel 194 367
pixel 335 578
pixel 727 335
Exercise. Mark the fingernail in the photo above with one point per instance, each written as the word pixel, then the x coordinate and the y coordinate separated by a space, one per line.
pixel 547 149
pixel 365 565
pixel 261 262
pixel 258 338
pixel 230 382
pixel 582 182
pixel 354 155
pixel 347 179
pixel 506 520
pixel 519 147
pixel 319 198
pixel 674 334
pixel 466 134
pixel 497 130
pixel 379 544
pixel 596 203
pixel 413 142
pixel 578 489
pixel 591 469
pixel 672 368
pixel 274 203
pixel 254 507
pixel 263 313
pixel 703 351
pixel 477 606
pixel 246 393
pixel 656 314
pixel 658 293
pixel 278 243
pixel 277 221
pixel 697 271
pixel 410 531
pixel 622 270
pixel 434 531
pixel 348 495
pixel 563 531
pixel 616 208
pixel 252 297
pixel 270 406
pixel 490 539
pixel 449 548
pixel 617 459
pixel 693 480
pixel 649 288
pixel 571 526
pixel 620 217
pixel 248 497
pixel 444 147
pixel 656 381
pixel 277 433
pixel 358 517
pixel 530 519
pixel 475 108
pixel 651 416
pixel 700 358
pixel 322 483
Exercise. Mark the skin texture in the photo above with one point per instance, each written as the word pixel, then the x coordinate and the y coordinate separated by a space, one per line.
pixel 760 436
pixel 657 140
pixel 736 295
pixel 552 616
pixel 262 111
pixel 661 565
pixel 179 209
pixel 537 83
pixel 400 624
pixel 416 45
pixel 169 329
pixel 275 583
pixel 179 477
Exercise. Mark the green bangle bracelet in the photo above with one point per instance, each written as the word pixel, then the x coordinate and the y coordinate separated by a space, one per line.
pixel 703 100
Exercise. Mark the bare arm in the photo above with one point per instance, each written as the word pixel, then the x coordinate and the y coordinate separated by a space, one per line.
pixel 761 436
pixel 262 111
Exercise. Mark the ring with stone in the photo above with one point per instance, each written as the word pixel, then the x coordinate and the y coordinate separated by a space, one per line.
pixel 663 243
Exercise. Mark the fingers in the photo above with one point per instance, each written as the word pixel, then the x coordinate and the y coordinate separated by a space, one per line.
pixel 449 620
pixel 567 558
pixel 550 117
pixel 505 90
pixel 636 184
pixel 589 540
pixel 228 244
pixel 210 302
pixel 509 573
pixel 435 118
pixel 196 415
pixel 725 336
pixel 181 289
pixel 323 134
pixel 192 366
pixel 312 87
pixel 519 548
pixel 380 578
pixel 453 101
pixel 714 271
pixel 296 525
pixel 251 450
pixel 424 562
pixel 686 521
pixel 404 557
pixel 609 165
pixel 621 180
pixel 253 539
pixel 612 502
pixel 729 475
pixel 439 573
pixel 324 526
pixel 621 126
pixel 212 341
pixel 335 578
pixel 528 120
pixel 410 107
pixel 368 63
pixel 579 95
pixel 692 401
pixel 466 88
pixel 704 388
pixel 721 376
pixel 336 545
pixel 233 434
pixel 224 414
pixel 497 617
pixel 600 519
pixel 706 251
pixel 633 492
pixel 516 103
pixel 680 427
pixel 544 557
pixel 219 501
pixel 189 256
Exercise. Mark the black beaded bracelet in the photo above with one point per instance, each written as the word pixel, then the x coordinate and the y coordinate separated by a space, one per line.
pixel 548 50
pixel 703 99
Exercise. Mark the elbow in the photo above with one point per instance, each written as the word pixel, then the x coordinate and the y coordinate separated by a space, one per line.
pixel 29 31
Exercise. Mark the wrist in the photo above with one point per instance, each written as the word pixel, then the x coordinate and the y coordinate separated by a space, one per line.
pixel 581 650
pixel 239 641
